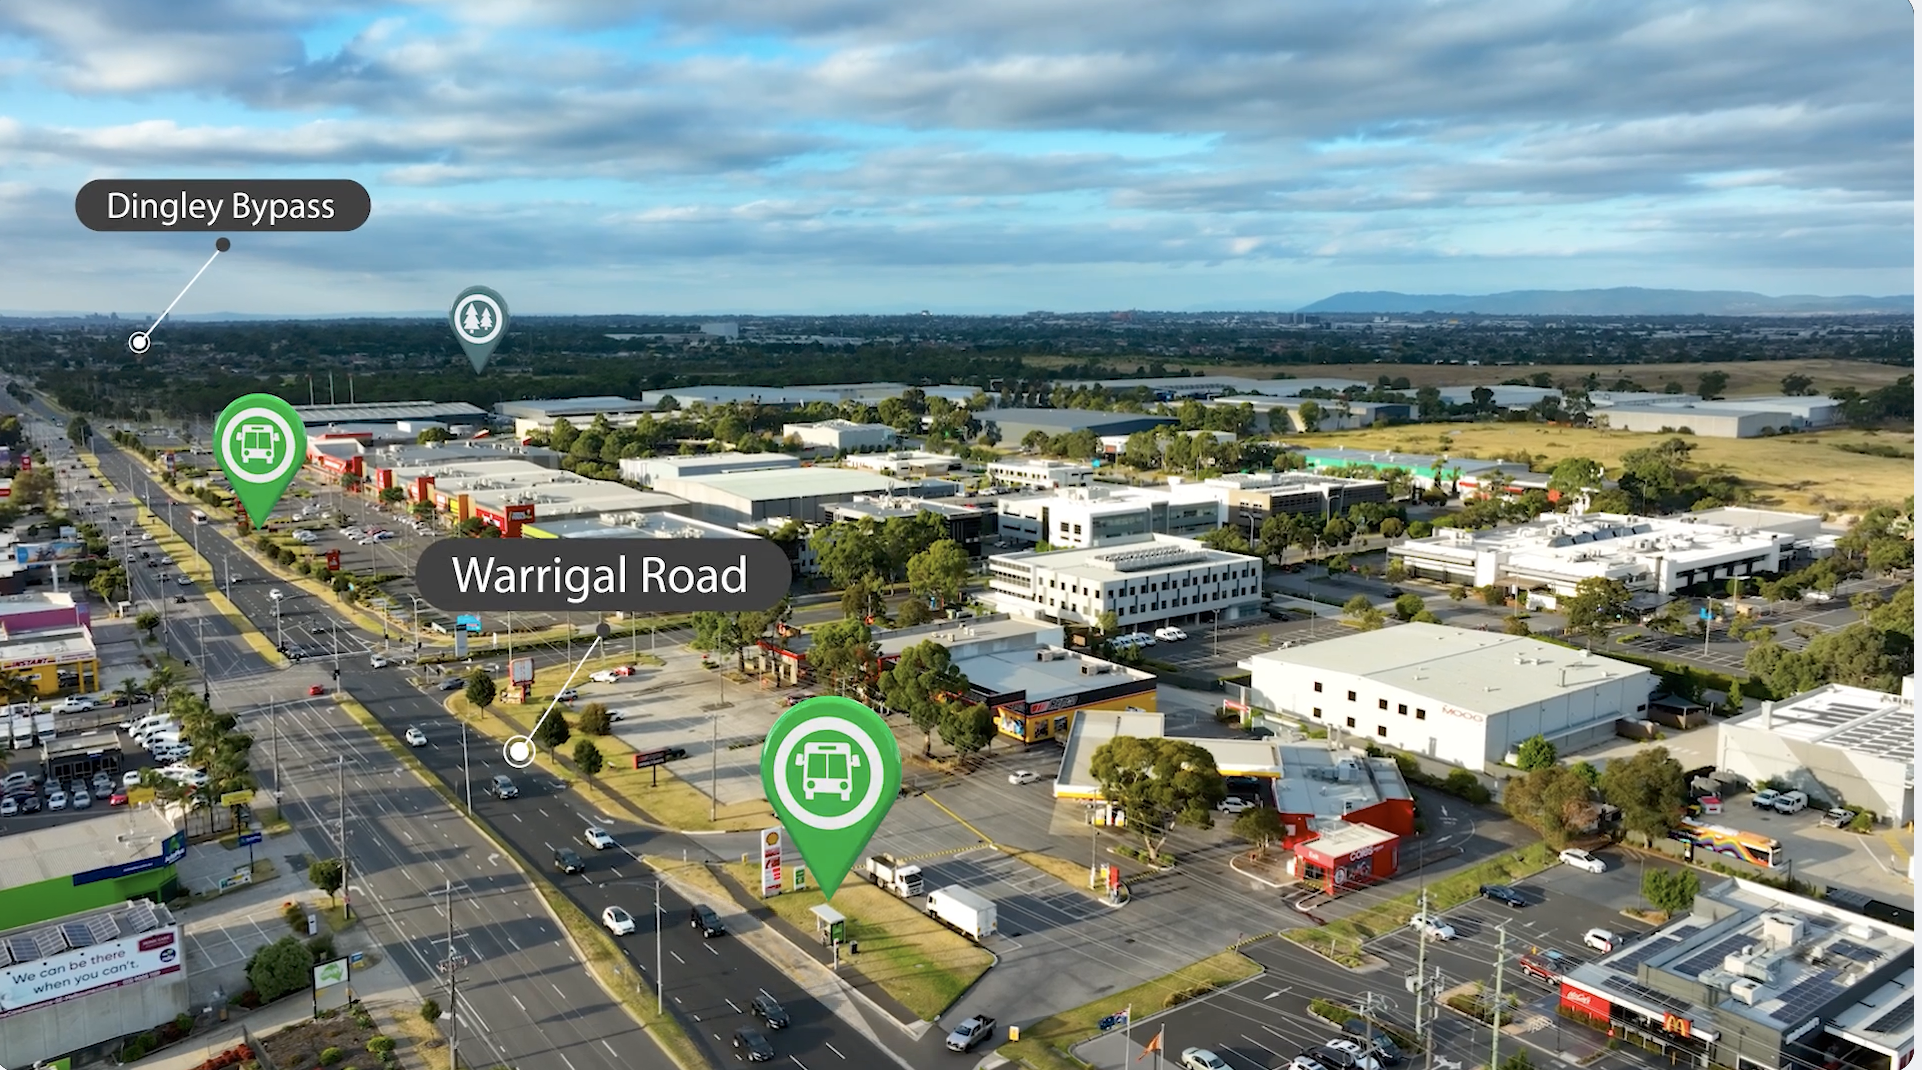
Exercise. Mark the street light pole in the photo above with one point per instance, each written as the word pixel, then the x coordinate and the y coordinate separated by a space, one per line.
pixel 660 983
pixel 467 778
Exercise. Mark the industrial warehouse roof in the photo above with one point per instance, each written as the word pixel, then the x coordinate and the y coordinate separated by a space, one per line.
pixel 31 943
pixel 389 411
pixel 548 408
pixel 1476 671
pixel 1024 671
pixel 1871 723
pixel 1139 554
pixel 631 526
pixel 1064 420
pixel 780 483
pixel 1342 455
pixel 128 834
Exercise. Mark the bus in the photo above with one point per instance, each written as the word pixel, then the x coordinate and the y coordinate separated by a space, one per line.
pixel 199 517
pixel 1750 847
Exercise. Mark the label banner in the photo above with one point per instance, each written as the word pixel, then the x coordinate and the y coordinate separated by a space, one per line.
pixel 72 974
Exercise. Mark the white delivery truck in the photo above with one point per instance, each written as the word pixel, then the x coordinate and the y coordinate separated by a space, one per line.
pixel 900 878
pixel 963 911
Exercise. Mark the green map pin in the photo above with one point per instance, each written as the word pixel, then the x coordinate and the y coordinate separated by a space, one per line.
pixel 260 443
pixel 832 770
pixel 479 319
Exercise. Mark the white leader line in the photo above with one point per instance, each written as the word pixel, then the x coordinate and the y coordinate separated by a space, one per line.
pixel 183 292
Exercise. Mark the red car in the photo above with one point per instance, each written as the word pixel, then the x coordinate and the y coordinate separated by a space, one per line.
pixel 118 798
pixel 316 689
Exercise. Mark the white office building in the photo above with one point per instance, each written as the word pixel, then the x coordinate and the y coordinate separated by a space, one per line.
pixel 1145 580
pixel 1040 473
pixel 1836 743
pixel 648 470
pixel 1659 554
pixel 840 435
pixel 904 464
pixel 1468 698
pixel 1101 514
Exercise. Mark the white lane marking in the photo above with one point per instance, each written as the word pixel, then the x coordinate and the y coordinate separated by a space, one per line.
pixel 517 1001
pixel 730 1003
pixel 836 1050
pixel 678 958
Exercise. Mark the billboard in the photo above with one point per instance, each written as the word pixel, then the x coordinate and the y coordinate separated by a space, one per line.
pixel 521 671
pixel 40 553
pixel 69 975
pixel 1585 1002
pixel 770 862
pixel 172 849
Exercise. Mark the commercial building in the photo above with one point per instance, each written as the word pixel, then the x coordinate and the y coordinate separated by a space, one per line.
pixel 840 435
pixel 451 413
pixel 539 415
pixel 660 525
pixel 1664 555
pixel 793 397
pixel 47 872
pixel 34 611
pixel 1250 498
pixel 1202 387
pixel 44 655
pixel 1755 978
pixel 804 494
pixel 1016 424
pixel 1038 473
pixel 965 522
pixel 381 466
pixel 1144 580
pixel 73 984
pixel 1836 743
pixel 1424 470
pixel 506 493
pixel 1745 417
pixel 1102 514
pixel 645 470
pixel 904 464
pixel 1465 697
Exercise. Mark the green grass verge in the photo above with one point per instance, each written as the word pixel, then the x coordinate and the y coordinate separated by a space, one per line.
pixel 1044 1045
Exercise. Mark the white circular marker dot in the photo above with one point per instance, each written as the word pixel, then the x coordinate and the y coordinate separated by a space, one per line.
pixel 519 752
pixel 138 342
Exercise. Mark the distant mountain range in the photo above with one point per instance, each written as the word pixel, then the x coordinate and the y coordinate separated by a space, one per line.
pixel 1620 301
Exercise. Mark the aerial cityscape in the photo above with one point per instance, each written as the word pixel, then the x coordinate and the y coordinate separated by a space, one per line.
pixel 583 536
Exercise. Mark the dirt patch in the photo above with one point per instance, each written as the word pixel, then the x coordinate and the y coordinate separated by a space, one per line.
pixel 300 1047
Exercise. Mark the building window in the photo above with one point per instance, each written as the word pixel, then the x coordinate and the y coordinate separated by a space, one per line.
pixel 1381 703
pixel 1317 687
pixel 1421 714
pixel 1317 713
pixel 1381 730
pixel 1351 722
pixel 1351 696
pixel 1403 709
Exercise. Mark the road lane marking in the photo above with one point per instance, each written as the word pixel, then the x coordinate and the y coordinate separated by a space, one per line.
pixel 730 1003
pixel 517 1002
pixel 835 1050
pixel 678 958
pixel 557 991
pixel 610 1048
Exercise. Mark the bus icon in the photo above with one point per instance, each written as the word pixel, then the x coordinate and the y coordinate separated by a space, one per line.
pixel 257 442
pixel 827 769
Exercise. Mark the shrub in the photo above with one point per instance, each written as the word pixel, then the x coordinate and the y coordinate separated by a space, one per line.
pixel 330 1056
pixel 184 1022
pixel 279 968
pixel 296 917
pixel 594 720
pixel 1462 784
pixel 429 1011
pixel 380 1046
pixel 1863 822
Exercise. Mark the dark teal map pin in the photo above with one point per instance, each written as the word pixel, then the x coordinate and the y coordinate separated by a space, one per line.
pixel 479 319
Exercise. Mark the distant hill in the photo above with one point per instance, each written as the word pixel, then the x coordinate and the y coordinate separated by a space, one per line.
pixel 1620 301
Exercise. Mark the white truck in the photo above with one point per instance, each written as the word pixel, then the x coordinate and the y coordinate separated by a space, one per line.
pixel 897 877
pixel 963 911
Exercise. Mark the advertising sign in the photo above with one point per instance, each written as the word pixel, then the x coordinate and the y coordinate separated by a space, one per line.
pixel 333 560
pixel 460 644
pixel 1584 1002
pixel 521 514
pixel 172 849
pixel 521 671
pixel 770 862
pixel 40 553
pixel 469 621
pixel 72 974
pixel 330 973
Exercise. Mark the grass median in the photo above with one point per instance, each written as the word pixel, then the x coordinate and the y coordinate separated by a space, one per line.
pixel 201 571
pixel 1046 1044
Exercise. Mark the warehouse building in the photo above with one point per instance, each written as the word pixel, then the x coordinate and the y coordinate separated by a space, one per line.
pixel 1665 555
pixel 793 397
pixel 1284 416
pixel 838 435
pixel 1040 474
pixel 662 525
pixel 540 414
pixel 1468 698
pixel 1102 514
pixel 382 466
pixel 645 470
pixel 1836 743
pixel 376 413
pixel 1250 498
pixel 804 494
pixel 1202 387
pixel 1756 978
pixel 508 494
pixel 1016 424
pixel 1424 470
pixel 1145 580
pixel 905 464
pixel 1704 418
pixel 73 984
pixel 965 522
pixel 50 871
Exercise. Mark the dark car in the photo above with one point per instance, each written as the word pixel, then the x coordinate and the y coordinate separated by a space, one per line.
pixel 753 1045
pixel 502 787
pixel 452 683
pixel 1386 1051
pixel 30 803
pixel 1502 893
pixel 702 917
pixel 769 1010
pixel 675 754
pixel 567 861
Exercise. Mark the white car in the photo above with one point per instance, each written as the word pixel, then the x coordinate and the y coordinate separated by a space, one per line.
pixel 598 838
pixel 416 738
pixel 305 537
pixel 1140 639
pixel 9 806
pixel 1023 776
pixel 377 662
pixel 184 581
pixel 1432 927
pixel 56 800
pixel 605 676
pixel 1233 805
pixel 75 704
pixel 1582 860
pixel 618 921
pixel 1170 634
pixel 82 800
pixel 131 779
pixel 1352 1053
pixel 274 593
pixel 1600 939
pixel 1201 1059
pixel 568 694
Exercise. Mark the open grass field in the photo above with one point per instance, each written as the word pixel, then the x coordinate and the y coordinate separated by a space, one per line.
pixel 1801 473
pixel 1745 377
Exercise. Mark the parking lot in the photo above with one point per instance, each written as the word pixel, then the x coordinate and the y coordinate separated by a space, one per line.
pixel 1866 863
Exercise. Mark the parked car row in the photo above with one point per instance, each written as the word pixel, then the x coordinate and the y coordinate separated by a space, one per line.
pixel 1362 1048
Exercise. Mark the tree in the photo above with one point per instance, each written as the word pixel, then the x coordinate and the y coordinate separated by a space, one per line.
pixel 429 1011
pixel 1407 605
pixel 1515 624
pixel 587 757
pixel 78 429
pixel 1553 800
pixel 1108 623
pixel 1362 613
pixel 968 727
pixel 1261 827
pixel 844 654
pixel 1309 414
pixel 327 874
pixel 284 966
pixel 1598 604
pixel 480 689
pixel 1670 891
pixel 147 621
pixel 863 600
pixel 595 720
pixel 1574 476
pixel 922 683
pixel 1796 385
pixel 1159 783
pixel 849 552
pixel 553 730
pixel 939 572
pixel 1535 753
pixel 1228 540
pixel 720 633
pixel 1589 774
pixel 1650 790
pixel 1711 384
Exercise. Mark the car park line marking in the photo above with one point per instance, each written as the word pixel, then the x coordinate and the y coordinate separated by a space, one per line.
pixel 563 1055
pixel 517 1001
pixel 679 959
pixel 710 950
pixel 617 874
pixel 730 1003
pixel 799 1063
pixel 835 1050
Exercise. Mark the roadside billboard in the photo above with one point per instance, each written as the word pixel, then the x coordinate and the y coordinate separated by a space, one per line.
pixel 69 975
pixel 41 553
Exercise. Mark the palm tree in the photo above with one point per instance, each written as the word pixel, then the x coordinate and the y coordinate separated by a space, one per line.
pixel 160 681
pixel 17 688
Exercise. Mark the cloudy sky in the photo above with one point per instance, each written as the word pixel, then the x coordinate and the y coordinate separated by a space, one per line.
pixel 995 155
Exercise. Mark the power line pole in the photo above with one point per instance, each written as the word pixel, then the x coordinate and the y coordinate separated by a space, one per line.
pixel 1421 984
pixel 346 901
pixel 453 987
pixel 714 761
pixel 660 983
pixel 1495 1033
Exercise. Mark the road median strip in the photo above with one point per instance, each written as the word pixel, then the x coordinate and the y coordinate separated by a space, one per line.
pixel 200 569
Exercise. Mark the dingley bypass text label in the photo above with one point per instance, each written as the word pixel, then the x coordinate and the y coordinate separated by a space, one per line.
pixel 603 575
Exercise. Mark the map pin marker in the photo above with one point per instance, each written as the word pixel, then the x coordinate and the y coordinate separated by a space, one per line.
pixel 479 319
pixel 832 771
pixel 260 443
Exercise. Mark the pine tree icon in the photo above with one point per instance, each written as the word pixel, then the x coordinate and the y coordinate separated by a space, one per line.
pixel 487 320
pixel 470 322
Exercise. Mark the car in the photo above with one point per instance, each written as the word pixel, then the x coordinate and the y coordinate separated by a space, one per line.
pixel 74 704
pixel 1432 927
pixel 502 787
pixel 30 803
pixel 1502 893
pixel 452 683
pixel 769 1010
pixel 316 689
pixel 416 738
pixel 598 838
pixel 1170 634
pixel 1765 799
pixel 56 800
pixel 1838 818
pixel 567 694
pixel 184 581
pixel 1023 776
pixel 274 593
pixel 102 783
pixel 618 921
pixel 702 917
pixel 753 1046
pixel 1791 802
pixel 1345 1053
pixel 1140 639
pixel 1380 1044
pixel 1201 1059
pixel 1234 805
pixel 1601 940
pixel 9 806
pixel 377 662
pixel 16 781
pixel 76 788
pixel 118 798
pixel 81 800
pixel 1306 1062
pixel 604 676
pixel 970 1033
pixel 130 779
pixel 1581 859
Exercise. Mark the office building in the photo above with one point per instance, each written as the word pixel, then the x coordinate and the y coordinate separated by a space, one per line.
pixel 1101 514
pixel 965 522
pixel 838 435
pixel 1144 580
pixel 1040 474
pixel 804 494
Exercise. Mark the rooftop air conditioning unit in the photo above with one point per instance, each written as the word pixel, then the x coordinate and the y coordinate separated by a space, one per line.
pixel 1087 669
pixel 1745 990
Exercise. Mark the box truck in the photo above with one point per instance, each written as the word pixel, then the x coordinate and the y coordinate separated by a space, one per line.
pixel 900 878
pixel 963 911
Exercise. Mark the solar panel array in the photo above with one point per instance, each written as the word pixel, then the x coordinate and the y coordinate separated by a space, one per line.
pixel 1628 961
pixel 1654 998
pixel 1808 995
pixel 1710 958
pixel 137 917
pixel 1902 1014
pixel 1854 952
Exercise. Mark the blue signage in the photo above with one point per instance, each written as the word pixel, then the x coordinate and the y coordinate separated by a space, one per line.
pixel 172 849
pixel 1706 615
pixel 248 839
pixel 470 621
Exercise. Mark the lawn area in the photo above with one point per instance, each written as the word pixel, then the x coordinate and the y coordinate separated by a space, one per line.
pixel 916 959
pixel 1044 1045
pixel 1745 377
pixel 1786 472
pixel 1341 940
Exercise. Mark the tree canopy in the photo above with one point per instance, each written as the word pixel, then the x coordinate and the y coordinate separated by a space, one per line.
pixel 1649 788
pixel 1159 783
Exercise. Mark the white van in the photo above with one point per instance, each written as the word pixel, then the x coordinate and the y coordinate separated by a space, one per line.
pixel 1791 802
pixel 147 724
